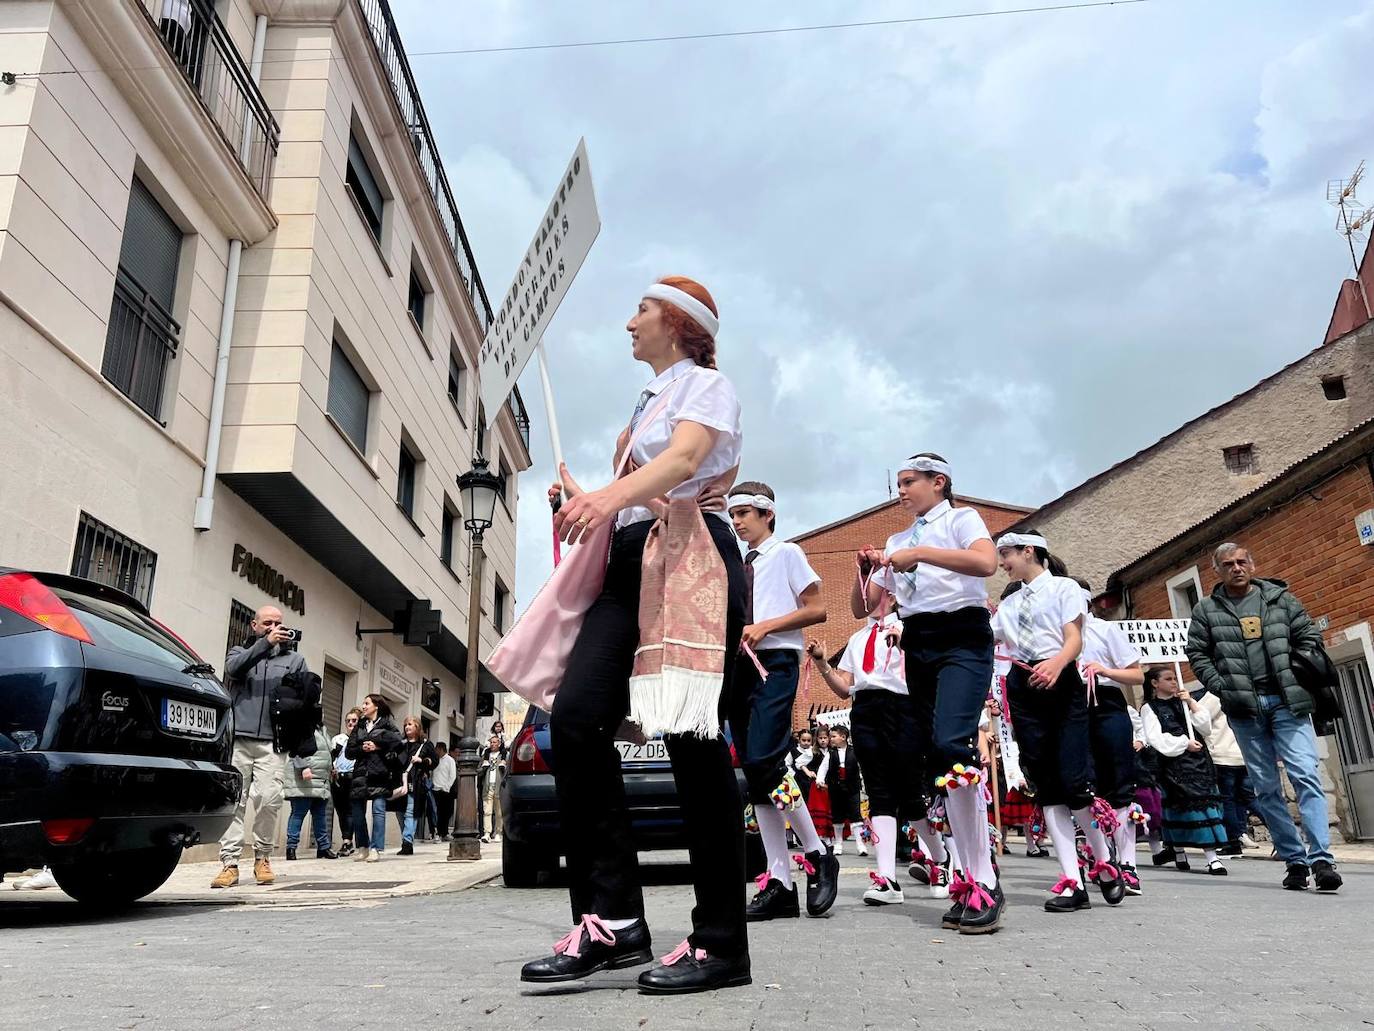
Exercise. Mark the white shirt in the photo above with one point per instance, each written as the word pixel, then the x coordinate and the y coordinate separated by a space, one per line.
pixel 781 573
pixel 1106 644
pixel 1054 601
pixel 705 397
pixel 929 588
pixel 445 773
pixel 889 673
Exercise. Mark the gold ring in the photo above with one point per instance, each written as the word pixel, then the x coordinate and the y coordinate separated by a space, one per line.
pixel 583 521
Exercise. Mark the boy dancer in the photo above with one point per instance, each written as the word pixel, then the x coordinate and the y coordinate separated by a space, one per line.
pixel 784 597
pixel 846 807
pixel 936 570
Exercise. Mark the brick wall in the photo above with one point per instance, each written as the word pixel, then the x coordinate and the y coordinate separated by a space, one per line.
pixel 831 553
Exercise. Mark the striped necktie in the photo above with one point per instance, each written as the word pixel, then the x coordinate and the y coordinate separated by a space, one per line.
pixel 639 408
pixel 1025 620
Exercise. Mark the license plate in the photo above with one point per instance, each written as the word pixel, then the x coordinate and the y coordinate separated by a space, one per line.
pixel 185 718
pixel 648 752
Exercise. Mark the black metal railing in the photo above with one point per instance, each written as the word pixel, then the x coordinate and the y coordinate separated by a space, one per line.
pixel 140 342
pixel 522 416
pixel 200 45
pixel 387 42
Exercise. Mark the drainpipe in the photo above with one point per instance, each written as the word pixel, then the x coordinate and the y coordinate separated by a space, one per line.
pixel 205 504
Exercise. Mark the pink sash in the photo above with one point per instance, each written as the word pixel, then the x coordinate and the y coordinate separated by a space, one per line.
pixel 531 658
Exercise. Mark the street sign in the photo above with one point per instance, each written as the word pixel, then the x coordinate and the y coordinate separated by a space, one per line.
pixel 1157 640
pixel 560 244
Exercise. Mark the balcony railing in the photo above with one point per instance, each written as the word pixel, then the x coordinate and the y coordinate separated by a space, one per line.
pixel 200 45
pixel 140 342
pixel 387 41
pixel 522 416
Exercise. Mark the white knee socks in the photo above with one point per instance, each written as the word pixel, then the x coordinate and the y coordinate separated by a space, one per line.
pixel 931 843
pixel 1155 842
pixel 1059 823
pixel 1124 838
pixel 885 827
pixel 968 825
pixel 774 832
pixel 805 829
pixel 1097 841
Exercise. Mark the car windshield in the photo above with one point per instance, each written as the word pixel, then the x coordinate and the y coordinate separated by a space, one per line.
pixel 113 625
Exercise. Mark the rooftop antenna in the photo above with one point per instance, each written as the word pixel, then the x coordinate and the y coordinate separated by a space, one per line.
pixel 1353 220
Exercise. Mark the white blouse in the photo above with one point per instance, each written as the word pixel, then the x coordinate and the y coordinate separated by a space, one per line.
pixel 889 670
pixel 1173 744
pixel 781 574
pixel 1054 603
pixel 697 395
pixel 928 587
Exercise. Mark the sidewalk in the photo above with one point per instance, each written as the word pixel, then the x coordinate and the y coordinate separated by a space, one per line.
pixel 311 882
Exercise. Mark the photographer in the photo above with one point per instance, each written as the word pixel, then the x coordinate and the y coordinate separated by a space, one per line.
pixel 276 710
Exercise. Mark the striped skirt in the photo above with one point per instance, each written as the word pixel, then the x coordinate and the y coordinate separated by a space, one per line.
pixel 1195 827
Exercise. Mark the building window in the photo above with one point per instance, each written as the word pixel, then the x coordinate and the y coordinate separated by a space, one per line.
pixel 481 442
pixel 240 625
pixel 362 184
pixel 405 482
pixel 1185 591
pixel 447 527
pixel 141 337
pixel 1333 387
pixel 456 371
pixel 1240 459
pixel 349 398
pixel 507 483
pixel 498 607
pixel 106 556
pixel 415 299
pixel 332 698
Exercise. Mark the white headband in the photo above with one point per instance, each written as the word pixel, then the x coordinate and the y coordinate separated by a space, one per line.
pixel 925 465
pixel 751 500
pixel 699 313
pixel 1022 540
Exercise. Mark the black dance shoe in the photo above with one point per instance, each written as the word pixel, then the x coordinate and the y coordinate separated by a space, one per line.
pixel 774 902
pixel 954 916
pixel 629 947
pixel 694 970
pixel 823 885
pixel 1069 903
pixel 985 920
pixel 1164 856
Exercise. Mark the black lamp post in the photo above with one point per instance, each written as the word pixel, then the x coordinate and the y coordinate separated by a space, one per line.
pixel 478 488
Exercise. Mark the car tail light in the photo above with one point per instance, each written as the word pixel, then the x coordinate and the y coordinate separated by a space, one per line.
pixel 30 597
pixel 525 756
pixel 67 832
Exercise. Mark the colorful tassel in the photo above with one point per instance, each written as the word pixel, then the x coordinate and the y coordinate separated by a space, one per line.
pixel 960 776
pixel 1139 817
pixel 787 795
pixel 751 822
pixel 1104 816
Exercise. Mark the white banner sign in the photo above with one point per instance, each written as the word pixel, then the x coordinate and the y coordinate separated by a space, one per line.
pixel 833 718
pixel 555 254
pixel 1158 640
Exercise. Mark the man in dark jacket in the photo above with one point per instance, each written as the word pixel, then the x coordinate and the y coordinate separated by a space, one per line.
pixel 1240 644
pixel 276 710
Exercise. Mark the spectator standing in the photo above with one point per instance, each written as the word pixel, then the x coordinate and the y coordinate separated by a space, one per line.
pixel 493 769
pixel 373 747
pixel 306 787
pixel 341 780
pixel 1240 644
pixel 419 757
pixel 445 776
pixel 276 703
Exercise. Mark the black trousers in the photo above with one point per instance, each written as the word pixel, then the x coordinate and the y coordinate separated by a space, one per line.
pixel 444 801
pixel 591 703
pixel 761 718
pixel 884 726
pixel 341 793
pixel 1051 728
pixel 948 672
pixel 1109 728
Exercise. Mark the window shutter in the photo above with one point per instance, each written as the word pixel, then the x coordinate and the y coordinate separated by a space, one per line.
pixel 348 398
pixel 151 249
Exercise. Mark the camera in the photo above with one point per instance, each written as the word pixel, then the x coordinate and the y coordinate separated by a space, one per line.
pixel 293 637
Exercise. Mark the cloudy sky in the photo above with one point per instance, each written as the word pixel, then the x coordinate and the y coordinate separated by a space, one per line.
pixel 1034 243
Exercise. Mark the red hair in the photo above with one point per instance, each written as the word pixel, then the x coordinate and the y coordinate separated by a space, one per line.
pixel 695 341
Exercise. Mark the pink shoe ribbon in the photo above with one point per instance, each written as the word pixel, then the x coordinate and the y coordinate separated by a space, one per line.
pixel 979 898
pixel 804 864
pixel 761 881
pixel 1103 867
pixel 683 950
pixel 1062 883
pixel 878 880
pixel 960 889
pixel 595 929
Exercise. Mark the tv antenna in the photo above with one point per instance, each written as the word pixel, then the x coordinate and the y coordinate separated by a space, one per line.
pixel 1352 220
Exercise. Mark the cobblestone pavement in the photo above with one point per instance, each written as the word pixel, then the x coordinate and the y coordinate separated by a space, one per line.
pixel 1194 951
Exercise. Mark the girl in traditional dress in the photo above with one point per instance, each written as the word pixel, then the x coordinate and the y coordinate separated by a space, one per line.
pixel 1177 727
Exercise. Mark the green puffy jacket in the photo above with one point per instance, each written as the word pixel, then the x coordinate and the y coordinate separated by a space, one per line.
pixel 1216 648
pixel 296 786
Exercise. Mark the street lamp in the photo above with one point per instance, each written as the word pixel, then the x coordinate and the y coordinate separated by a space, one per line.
pixel 478 488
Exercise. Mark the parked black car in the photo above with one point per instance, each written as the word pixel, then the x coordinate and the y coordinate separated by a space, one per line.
pixel 532 833
pixel 116 739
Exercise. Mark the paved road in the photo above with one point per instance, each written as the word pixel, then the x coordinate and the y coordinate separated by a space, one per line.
pixel 1194 951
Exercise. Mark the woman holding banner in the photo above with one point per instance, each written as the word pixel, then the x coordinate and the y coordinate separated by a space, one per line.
pixel 658 649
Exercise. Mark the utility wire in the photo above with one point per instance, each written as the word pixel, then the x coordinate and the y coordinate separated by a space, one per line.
pixel 636 40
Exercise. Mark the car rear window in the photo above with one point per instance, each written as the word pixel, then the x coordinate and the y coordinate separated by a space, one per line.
pixel 117 626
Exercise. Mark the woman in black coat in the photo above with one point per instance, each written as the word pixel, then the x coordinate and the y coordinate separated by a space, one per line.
pixel 417 758
pixel 373 747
